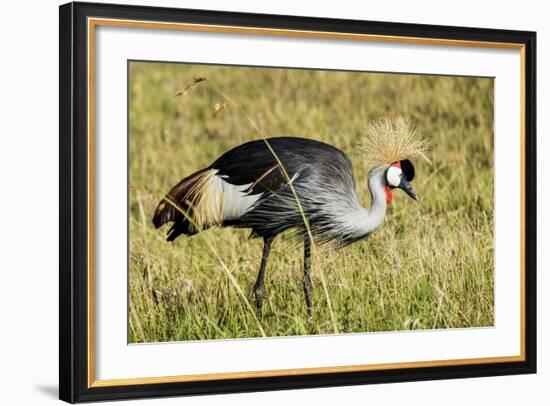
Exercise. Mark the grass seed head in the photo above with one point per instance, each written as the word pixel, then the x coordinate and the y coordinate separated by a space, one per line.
pixel 189 86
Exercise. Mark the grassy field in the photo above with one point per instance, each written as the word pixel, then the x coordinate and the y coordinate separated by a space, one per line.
pixel 430 265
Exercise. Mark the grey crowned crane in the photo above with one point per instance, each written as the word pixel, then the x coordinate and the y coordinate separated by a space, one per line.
pixel 247 188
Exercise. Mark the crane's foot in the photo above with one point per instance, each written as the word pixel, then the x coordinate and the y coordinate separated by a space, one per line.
pixel 260 295
pixel 306 281
pixel 307 292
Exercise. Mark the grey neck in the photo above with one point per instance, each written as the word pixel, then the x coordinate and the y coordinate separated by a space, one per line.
pixel 364 221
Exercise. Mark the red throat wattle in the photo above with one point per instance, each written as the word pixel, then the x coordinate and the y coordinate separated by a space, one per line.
pixel 389 195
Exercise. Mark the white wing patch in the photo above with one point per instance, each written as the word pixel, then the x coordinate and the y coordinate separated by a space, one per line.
pixel 236 201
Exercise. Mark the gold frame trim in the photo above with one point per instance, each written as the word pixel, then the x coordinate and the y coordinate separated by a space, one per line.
pixel 94 22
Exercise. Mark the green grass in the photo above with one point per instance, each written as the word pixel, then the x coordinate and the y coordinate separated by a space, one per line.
pixel 430 265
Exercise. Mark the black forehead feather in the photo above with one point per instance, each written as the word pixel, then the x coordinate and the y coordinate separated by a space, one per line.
pixel 408 169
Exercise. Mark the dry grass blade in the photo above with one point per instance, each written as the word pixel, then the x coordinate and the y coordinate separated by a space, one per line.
pixel 189 86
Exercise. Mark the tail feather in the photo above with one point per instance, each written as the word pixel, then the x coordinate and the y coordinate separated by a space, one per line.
pixel 179 228
pixel 183 198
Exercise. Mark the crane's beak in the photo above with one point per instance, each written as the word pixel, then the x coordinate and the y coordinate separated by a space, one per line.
pixel 407 188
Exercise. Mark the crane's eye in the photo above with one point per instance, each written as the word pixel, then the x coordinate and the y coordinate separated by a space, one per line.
pixel 393 176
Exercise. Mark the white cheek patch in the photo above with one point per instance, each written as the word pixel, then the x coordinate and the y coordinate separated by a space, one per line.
pixel 393 176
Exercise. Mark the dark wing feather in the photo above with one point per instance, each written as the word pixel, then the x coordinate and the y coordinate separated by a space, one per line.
pixel 251 164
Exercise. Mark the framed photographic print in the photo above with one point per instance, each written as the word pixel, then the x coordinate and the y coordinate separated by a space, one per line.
pixel 257 202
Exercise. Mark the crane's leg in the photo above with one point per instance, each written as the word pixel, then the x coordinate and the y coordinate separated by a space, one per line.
pixel 307 277
pixel 259 287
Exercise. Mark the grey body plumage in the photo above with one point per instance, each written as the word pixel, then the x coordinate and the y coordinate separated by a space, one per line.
pixel 322 177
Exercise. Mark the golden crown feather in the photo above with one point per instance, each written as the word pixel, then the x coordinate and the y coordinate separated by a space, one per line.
pixel 390 140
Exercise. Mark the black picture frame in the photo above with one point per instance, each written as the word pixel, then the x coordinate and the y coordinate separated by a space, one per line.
pixel 73 284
